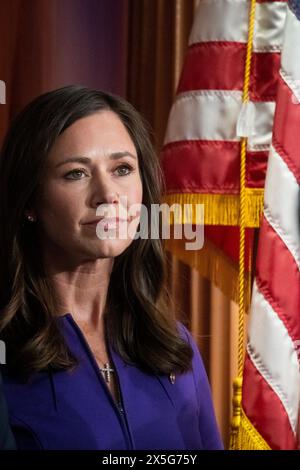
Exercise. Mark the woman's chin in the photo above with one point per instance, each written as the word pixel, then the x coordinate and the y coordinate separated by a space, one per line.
pixel 108 248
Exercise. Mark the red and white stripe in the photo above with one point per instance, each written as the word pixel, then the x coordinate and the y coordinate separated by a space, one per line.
pixel 202 124
pixel 271 386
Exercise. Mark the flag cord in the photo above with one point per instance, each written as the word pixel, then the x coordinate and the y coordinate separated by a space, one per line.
pixel 237 385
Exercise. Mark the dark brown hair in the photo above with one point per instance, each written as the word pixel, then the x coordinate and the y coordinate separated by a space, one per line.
pixel 137 316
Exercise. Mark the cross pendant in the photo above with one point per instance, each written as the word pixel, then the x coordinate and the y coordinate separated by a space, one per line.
pixel 107 370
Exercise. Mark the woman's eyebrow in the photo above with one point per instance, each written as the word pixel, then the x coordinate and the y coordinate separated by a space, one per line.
pixel 88 161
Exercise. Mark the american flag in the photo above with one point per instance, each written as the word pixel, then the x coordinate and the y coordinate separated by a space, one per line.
pixel 271 383
pixel 201 160
pixel 201 154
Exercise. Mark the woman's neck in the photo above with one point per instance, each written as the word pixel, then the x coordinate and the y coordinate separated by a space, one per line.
pixel 82 290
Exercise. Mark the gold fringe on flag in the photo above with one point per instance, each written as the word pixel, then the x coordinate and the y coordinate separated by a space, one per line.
pixel 213 264
pixel 219 209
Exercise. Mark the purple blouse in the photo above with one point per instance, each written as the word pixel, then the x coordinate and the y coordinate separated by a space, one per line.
pixel 75 410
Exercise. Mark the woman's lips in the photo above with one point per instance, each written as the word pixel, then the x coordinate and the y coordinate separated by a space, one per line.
pixel 107 222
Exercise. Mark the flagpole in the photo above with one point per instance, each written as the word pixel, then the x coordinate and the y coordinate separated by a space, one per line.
pixel 244 132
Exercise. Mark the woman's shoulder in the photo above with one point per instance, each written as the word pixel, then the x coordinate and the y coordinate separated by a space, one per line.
pixel 198 369
pixel 207 420
pixel 189 338
pixel 183 330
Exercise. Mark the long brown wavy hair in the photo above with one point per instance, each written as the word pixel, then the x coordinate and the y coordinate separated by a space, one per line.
pixel 137 314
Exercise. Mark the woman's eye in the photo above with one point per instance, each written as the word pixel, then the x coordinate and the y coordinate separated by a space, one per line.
pixel 125 170
pixel 80 173
pixel 75 174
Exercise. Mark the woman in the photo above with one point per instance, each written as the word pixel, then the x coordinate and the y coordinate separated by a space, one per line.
pixel 94 359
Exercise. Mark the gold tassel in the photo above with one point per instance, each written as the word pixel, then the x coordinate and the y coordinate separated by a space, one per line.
pixel 247 437
pixel 236 412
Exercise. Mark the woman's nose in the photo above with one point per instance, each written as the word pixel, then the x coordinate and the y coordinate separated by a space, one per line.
pixel 106 199
pixel 102 191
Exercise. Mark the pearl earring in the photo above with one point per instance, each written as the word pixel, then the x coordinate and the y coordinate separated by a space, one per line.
pixel 30 218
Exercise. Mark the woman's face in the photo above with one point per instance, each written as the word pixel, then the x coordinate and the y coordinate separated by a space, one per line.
pixel 106 170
